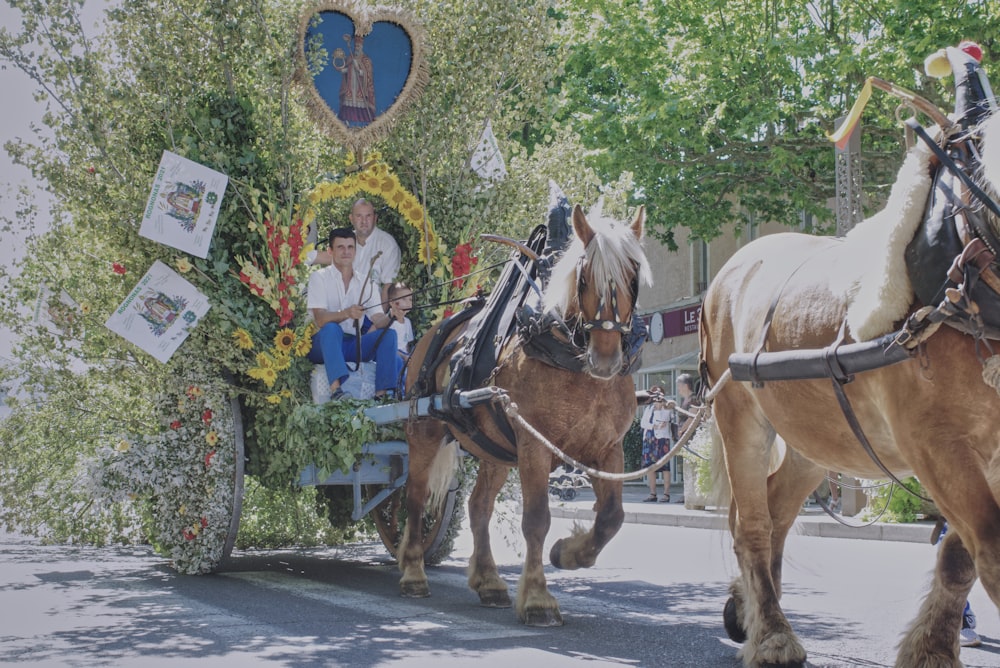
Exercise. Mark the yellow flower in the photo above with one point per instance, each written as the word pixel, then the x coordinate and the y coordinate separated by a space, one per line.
pixel 282 361
pixel 273 399
pixel 284 340
pixel 182 509
pixel 123 446
pixel 212 438
pixel 243 339
pixel 311 329
pixel 388 184
pixel 265 361
pixel 303 346
pixel 183 265
pixel 286 393
pixel 269 376
pixel 85 308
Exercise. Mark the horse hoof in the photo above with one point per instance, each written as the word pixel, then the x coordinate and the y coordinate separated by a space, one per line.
pixel 494 598
pixel 735 632
pixel 542 617
pixel 414 590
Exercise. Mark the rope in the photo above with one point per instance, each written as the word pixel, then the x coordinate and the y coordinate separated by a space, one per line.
pixel 510 408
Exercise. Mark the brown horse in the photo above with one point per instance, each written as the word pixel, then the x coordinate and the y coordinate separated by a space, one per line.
pixel 931 414
pixel 585 413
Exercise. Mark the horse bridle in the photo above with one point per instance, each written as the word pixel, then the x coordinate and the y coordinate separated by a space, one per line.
pixel 615 325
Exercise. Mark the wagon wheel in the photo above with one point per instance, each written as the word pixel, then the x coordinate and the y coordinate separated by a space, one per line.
pixel 239 455
pixel 439 528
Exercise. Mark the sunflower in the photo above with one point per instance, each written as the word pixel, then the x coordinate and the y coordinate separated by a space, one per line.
pixel 282 361
pixel 284 340
pixel 273 399
pixel 212 438
pixel 243 339
pixel 303 346
pixel 269 376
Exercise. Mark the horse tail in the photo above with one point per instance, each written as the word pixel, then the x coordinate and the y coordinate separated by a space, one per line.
pixel 442 473
pixel 722 493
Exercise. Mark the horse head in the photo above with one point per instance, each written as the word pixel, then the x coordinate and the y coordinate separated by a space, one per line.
pixel 595 285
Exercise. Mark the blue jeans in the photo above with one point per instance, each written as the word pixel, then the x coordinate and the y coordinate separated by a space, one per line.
pixel 332 348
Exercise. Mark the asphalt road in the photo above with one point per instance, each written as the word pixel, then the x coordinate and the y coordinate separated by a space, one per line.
pixel 654 599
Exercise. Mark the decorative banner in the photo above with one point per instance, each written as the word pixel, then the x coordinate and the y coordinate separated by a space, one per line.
pixel 56 314
pixel 487 161
pixel 183 205
pixel 360 68
pixel 159 312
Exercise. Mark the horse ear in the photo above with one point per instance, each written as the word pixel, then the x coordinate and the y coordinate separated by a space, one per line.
pixel 639 221
pixel 580 225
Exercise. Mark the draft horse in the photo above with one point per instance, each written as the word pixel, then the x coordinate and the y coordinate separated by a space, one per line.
pixel 584 410
pixel 933 413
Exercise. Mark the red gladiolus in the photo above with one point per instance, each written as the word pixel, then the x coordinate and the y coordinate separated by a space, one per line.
pixel 206 417
pixel 204 522
pixel 462 263
pixel 175 425
pixel 188 535
pixel 118 268
pixel 208 458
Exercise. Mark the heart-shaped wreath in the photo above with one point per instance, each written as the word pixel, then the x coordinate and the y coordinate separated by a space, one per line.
pixel 360 67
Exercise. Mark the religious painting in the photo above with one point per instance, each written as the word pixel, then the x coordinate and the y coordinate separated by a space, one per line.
pixel 360 67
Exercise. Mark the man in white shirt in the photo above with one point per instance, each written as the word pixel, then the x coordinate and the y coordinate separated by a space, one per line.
pixel 340 301
pixel 371 242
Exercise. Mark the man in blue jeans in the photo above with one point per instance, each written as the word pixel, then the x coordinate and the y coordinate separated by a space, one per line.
pixel 347 306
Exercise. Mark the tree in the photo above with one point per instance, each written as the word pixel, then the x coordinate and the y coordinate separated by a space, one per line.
pixel 720 109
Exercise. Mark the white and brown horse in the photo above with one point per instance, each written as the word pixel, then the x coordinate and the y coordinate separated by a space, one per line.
pixel 584 412
pixel 934 415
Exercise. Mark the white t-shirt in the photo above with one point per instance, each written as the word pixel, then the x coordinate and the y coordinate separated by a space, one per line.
pixel 387 266
pixel 404 334
pixel 327 291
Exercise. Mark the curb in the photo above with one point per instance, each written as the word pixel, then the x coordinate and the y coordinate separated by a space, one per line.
pixel 818 526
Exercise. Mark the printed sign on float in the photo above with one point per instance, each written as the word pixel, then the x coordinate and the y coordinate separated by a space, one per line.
pixel 159 312
pixel 183 204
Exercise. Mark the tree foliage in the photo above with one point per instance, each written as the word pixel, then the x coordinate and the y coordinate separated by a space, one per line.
pixel 720 108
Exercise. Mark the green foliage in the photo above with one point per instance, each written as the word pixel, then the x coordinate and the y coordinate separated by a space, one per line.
pixel 275 518
pixel 719 109
pixel 900 506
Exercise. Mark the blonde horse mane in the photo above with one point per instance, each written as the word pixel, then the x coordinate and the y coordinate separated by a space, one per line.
pixel 614 253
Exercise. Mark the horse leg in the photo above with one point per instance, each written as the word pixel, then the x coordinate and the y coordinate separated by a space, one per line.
pixel 425 440
pixel 483 576
pixel 535 605
pixel 932 639
pixel 580 550
pixel 747 439
pixel 787 488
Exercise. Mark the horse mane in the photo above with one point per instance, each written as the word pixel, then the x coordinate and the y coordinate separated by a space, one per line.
pixel 989 171
pixel 612 257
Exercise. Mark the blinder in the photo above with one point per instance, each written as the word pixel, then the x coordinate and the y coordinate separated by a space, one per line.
pixel 952 259
pixel 616 324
